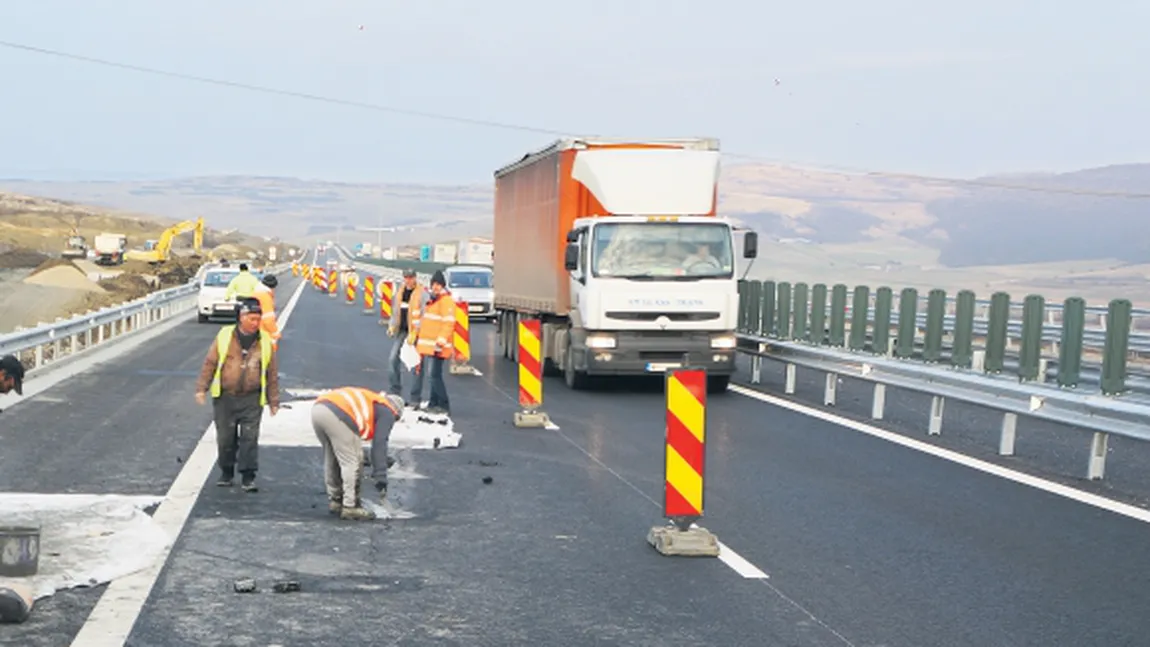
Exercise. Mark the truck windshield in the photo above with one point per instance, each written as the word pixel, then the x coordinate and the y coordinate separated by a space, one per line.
pixel 474 279
pixel 662 250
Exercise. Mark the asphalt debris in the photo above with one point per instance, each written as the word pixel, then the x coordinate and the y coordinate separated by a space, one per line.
pixel 245 585
pixel 487 480
pixel 286 586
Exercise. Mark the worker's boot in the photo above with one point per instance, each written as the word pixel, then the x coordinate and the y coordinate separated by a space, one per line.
pixel 334 506
pixel 358 513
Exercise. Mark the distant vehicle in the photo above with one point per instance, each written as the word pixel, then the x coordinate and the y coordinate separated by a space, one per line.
pixel 474 284
pixel 213 287
pixel 110 248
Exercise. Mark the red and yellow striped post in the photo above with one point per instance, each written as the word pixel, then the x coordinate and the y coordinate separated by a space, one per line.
pixel 531 376
pixel 332 283
pixel 386 301
pixel 352 281
pixel 320 279
pixel 460 363
pixel 368 294
pixel 683 467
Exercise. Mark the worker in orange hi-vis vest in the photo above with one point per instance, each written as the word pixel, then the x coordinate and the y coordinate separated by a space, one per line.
pixel 434 343
pixel 342 420
pixel 266 295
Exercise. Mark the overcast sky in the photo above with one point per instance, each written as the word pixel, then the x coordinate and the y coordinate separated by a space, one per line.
pixel 939 88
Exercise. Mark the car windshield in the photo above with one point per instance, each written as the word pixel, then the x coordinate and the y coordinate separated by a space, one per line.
pixel 662 250
pixel 474 279
pixel 221 279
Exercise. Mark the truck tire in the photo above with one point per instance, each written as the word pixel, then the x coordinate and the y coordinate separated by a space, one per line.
pixel 717 384
pixel 575 380
pixel 203 318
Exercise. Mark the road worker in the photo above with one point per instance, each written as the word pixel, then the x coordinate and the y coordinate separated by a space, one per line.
pixel 342 419
pixel 405 315
pixel 265 294
pixel 11 375
pixel 241 371
pixel 242 285
pixel 434 343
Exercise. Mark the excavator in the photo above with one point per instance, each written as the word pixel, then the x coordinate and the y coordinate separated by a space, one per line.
pixel 161 251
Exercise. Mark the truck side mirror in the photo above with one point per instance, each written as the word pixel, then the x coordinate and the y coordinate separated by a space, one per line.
pixel 572 236
pixel 750 244
pixel 571 258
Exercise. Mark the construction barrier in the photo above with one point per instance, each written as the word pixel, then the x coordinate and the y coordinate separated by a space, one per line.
pixel 683 467
pixel 368 294
pixel 294 269
pixel 332 283
pixel 461 341
pixel 320 279
pixel 351 280
pixel 386 300
pixel 531 375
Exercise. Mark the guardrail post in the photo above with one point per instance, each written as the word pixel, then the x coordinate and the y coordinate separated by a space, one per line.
pixel 860 313
pixel 961 354
pixel 818 331
pixel 531 376
pixel 907 323
pixel 1118 320
pixel 935 316
pixel 800 314
pixel 996 332
pixel 742 291
pixel 683 468
pixel 783 328
pixel 883 303
pixel 838 315
pixel 1033 322
pixel 754 296
pixel 767 309
pixel 1070 343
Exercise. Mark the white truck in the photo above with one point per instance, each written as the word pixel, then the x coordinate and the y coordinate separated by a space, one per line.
pixel 110 248
pixel 615 247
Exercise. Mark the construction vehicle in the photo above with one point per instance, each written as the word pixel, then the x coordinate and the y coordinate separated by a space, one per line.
pixel 616 248
pixel 76 246
pixel 160 251
pixel 110 248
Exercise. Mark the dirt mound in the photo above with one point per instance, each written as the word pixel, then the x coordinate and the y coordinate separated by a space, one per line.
pixel 21 258
pixel 60 273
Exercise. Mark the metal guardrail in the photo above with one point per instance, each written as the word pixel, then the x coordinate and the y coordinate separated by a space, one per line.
pixel 1100 414
pixel 51 343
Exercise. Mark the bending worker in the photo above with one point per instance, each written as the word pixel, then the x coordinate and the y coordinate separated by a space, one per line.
pixel 342 420
pixel 243 374
pixel 242 285
pixel 266 295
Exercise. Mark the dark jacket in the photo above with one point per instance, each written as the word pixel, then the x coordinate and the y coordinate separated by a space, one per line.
pixel 236 377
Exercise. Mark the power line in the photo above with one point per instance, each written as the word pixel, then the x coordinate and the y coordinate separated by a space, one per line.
pixel 991 184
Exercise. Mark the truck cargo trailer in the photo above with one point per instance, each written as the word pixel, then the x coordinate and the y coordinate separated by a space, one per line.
pixel 615 247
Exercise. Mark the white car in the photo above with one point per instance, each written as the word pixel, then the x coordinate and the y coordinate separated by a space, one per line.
pixel 213 287
pixel 474 284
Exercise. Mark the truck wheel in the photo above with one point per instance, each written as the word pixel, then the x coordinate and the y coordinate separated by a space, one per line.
pixel 718 384
pixel 203 318
pixel 576 380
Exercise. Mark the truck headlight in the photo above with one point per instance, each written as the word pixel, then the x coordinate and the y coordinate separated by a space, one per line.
pixel 600 341
pixel 723 341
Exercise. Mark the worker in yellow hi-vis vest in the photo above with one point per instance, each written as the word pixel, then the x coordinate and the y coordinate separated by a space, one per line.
pixel 241 371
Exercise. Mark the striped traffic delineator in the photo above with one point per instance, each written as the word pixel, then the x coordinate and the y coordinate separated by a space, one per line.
pixel 531 376
pixel 683 468
pixel 332 283
pixel 352 280
pixel 320 281
pixel 295 269
pixel 368 294
pixel 461 342
pixel 386 300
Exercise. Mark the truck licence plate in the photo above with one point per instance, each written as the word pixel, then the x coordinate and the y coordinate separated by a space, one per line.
pixel 475 308
pixel 661 367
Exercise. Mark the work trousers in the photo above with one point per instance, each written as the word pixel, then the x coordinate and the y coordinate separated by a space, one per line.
pixel 238 433
pixel 395 366
pixel 342 456
pixel 432 366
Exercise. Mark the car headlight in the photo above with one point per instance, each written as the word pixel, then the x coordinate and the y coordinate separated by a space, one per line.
pixel 723 341
pixel 600 341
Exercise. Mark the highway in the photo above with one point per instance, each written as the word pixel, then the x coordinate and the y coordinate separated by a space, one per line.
pixel 845 538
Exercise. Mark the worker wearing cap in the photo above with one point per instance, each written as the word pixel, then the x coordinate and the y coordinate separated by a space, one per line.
pixel 405 318
pixel 11 375
pixel 265 294
pixel 434 343
pixel 342 419
pixel 242 285
pixel 241 371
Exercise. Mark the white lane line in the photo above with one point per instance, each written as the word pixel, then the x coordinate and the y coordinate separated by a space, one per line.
pixel 1058 489
pixel 739 564
pixel 111 622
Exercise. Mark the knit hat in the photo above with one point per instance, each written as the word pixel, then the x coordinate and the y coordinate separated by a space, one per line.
pixel 437 278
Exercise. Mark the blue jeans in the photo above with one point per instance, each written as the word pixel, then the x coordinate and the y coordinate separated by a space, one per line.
pixel 433 368
pixel 396 367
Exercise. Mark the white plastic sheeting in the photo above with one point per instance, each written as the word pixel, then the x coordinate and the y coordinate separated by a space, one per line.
pixel 85 539
pixel 650 182
pixel 291 427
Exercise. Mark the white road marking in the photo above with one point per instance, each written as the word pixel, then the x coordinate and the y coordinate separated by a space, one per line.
pixel 739 564
pixel 111 622
pixel 1058 489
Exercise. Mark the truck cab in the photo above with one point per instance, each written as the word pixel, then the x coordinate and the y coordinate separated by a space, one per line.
pixel 474 284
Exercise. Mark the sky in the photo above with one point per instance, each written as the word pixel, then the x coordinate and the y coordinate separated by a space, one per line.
pixel 942 89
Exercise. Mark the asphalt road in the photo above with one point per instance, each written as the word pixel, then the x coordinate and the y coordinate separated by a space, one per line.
pixel 865 542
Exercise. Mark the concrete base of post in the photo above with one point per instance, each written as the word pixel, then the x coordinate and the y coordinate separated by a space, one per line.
pixel 462 369
pixel 692 542
pixel 532 419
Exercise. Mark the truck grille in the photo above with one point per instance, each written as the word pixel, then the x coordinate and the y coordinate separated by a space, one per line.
pixel 623 315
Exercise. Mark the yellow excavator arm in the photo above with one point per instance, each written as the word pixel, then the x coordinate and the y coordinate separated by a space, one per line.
pixel 163 247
